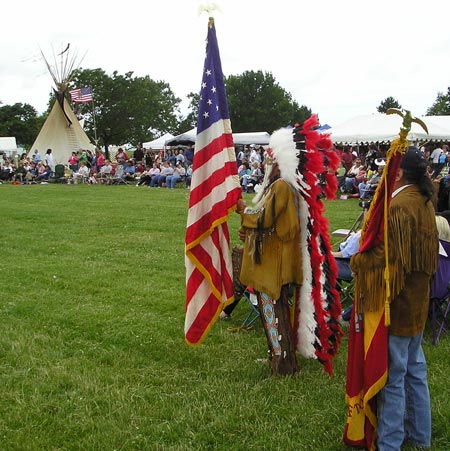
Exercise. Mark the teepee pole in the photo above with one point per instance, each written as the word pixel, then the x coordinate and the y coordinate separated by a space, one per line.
pixel 93 120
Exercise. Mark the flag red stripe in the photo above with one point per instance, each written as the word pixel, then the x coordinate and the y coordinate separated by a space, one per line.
pixel 208 150
pixel 218 211
pixel 192 285
pixel 217 177
pixel 206 261
pixel 203 320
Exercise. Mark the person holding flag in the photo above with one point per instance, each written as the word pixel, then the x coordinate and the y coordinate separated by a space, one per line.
pixel 386 391
pixel 287 256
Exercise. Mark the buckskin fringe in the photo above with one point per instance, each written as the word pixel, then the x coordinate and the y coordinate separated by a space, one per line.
pixel 370 287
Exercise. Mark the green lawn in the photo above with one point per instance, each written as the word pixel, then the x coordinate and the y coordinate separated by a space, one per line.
pixel 92 351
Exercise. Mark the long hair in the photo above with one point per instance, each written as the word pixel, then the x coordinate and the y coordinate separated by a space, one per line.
pixel 417 175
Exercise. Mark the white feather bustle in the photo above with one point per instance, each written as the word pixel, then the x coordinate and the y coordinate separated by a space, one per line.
pixel 284 153
pixel 306 337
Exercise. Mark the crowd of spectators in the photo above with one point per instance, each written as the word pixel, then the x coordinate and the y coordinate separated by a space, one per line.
pixel 360 171
pixel 250 161
pixel 142 167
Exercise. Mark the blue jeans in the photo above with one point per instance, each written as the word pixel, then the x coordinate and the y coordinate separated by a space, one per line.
pixel 171 180
pixel 403 408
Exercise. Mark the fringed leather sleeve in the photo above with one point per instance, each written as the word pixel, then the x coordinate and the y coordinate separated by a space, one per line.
pixel 410 250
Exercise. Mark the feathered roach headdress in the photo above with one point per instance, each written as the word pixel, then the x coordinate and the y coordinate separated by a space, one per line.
pixel 307 162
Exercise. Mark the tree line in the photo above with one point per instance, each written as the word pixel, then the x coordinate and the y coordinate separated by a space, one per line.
pixel 128 109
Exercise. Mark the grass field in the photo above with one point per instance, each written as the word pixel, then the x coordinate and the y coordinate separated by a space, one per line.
pixel 92 351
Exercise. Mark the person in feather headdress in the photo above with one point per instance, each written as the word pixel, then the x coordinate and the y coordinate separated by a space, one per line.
pixel 287 253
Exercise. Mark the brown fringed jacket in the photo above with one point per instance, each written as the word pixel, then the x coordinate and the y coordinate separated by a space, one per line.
pixel 413 256
pixel 272 255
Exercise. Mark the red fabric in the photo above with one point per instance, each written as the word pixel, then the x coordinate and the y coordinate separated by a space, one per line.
pixel 367 370
pixel 373 230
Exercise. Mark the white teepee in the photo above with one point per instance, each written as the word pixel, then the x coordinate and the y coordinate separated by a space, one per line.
pixel 61 131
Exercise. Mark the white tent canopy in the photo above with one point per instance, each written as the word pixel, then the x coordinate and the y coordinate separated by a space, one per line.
pixel 183 138
pixel 8 144
pixel 260 138
pixel 385 128
pixel 158 143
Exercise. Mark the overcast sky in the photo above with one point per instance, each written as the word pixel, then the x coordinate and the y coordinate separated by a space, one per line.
pixel 339 58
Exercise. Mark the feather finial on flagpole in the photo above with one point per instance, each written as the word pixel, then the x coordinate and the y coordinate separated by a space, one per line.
pixel 209 8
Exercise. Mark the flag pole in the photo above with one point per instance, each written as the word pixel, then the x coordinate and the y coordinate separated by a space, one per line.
pixel 93 118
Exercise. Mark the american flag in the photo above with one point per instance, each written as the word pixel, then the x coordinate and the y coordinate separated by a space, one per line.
pixel 215 190
pixel 81 95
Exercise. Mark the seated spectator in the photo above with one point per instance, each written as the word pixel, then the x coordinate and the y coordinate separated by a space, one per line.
pixel 348 186
pixel 31 173
pixel 346 249
pixel 342 257
pixel 154 171
pixel 366 189
pixel 145 176
pixel 354 178
pixel 20 173
pixel 150 171
pixel 44 174
pixel 82 174
pixel 250 180
pixel 140 169
pixel 40 168
pixel 243 170
pixel 178 173
pixel 7 171
pixel 106 172
pixel 160 179
pixel 129 171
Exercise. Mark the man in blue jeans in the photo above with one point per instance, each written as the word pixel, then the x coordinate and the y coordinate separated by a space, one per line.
pixel 403 404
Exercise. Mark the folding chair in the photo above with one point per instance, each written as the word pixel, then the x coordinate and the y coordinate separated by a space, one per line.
pixel 250 296
pixel 440 295
pixel 59 175
pixel 118 178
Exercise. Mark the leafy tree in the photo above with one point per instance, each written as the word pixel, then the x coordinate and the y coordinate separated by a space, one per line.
pixel 190 121
pixel 257 102
pixel 388 102
pixel 127 108
pixel 441 106
pixel 21 121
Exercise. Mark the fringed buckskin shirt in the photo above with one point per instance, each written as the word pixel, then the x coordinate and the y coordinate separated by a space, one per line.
pixel 272 255
pixel 413 257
